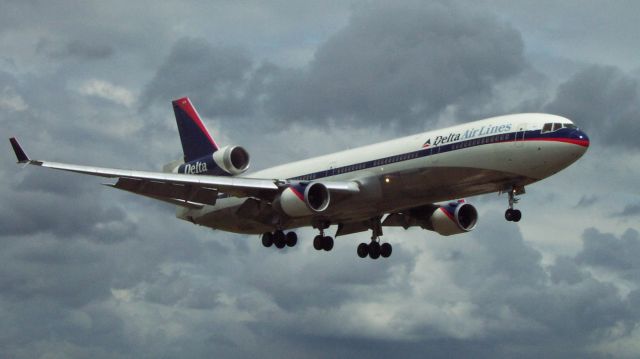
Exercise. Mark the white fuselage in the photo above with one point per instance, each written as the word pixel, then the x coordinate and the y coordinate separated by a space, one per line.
pixel 465 160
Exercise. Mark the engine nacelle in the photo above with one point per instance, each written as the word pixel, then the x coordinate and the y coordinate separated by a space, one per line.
pixel 232 159
pixel 301 200
pixel 454 218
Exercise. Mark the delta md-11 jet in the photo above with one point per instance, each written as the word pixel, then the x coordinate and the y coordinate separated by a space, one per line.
pixel 414 181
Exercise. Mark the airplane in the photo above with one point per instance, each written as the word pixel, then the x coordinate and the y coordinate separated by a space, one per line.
pixel 413 181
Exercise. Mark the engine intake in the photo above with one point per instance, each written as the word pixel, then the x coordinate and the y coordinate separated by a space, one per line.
pixel 232 159
pixel 454 218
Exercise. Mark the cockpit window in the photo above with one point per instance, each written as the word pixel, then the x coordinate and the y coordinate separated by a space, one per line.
pixel 550 127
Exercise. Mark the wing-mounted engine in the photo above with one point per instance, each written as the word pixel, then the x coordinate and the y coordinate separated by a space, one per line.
pixel 305 199
pixel 452 218
pixel 232 159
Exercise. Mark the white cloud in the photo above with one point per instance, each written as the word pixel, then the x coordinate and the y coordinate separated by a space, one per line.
pixel 11 100
pixel 108 91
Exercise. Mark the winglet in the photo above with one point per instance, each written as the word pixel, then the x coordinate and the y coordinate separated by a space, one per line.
pixel 22 157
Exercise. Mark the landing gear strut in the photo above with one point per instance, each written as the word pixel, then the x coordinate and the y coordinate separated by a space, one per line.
pixel 374 249
pixel 322 242
pixel 511 214
pixel 279 239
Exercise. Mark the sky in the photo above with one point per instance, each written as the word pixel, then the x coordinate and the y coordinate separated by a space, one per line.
pixel 88 271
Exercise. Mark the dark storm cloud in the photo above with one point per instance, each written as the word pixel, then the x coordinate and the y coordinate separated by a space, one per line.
pixel 608 251
pixel 391 63
pixel 562 304
pixel 214 78
pixel 78 49
pixel 630 210
pixel 587 201
pixel 72 274
pixel 605 102
pixel 400 63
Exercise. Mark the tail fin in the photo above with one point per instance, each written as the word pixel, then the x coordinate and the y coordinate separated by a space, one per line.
pixel 196 141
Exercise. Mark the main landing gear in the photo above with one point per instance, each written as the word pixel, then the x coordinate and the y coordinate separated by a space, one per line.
pixel 374 249
pixel 322 242
pixel 511 214
pixel 280 239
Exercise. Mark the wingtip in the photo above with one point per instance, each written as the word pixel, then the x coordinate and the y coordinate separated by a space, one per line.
pixel 20 154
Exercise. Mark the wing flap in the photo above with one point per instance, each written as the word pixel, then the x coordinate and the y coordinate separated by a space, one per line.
pixel 178 191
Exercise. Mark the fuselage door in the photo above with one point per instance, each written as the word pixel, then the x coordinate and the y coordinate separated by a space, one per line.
pixel 520 134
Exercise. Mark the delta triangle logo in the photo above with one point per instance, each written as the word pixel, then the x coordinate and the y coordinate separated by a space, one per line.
pixel 427 144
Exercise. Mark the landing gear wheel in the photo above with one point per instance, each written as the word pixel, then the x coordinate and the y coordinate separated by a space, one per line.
pixel 513 215
pixel 291 239
pixel 374 250
pixel 508 215
pixel 363 250
pixel 385 250
pixel 317 243
pixel 327 243
pixel 279 239
pixel 267 239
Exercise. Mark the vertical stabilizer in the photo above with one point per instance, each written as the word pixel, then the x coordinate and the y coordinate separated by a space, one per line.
pixel 196 141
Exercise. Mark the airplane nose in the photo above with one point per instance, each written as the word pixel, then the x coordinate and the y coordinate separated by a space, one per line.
pixel 580 138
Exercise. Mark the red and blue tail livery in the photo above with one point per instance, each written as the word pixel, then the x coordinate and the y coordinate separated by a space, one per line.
pixel 196 141
pixel 201 153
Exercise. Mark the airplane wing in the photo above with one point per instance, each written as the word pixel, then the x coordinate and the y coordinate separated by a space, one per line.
pixel 181 189
pixel 192 191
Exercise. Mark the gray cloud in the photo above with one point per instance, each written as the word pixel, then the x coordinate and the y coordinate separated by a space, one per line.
pixel 630 210
pixel 214 77
pixel 608 251
pixel 587 201
pixel 78 49
pixel 400 63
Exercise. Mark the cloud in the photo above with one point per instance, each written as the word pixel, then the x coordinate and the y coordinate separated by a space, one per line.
pixel 75 49
pixel 587 201
pixel 608 251
pixel 107 91
pixel 400 63
pixel 214 77
pixel 11 101
pixel 630 210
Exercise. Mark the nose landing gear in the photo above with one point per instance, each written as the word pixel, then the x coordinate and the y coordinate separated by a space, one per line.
pixel 511 214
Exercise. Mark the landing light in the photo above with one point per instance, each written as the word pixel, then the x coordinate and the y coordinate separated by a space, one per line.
pixel 387 180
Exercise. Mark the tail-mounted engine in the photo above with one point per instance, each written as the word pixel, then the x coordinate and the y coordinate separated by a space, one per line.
pixel 301 200
pixel 229 160
pixel 232 159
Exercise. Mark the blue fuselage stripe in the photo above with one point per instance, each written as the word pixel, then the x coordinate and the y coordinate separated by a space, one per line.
pixel 435 150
